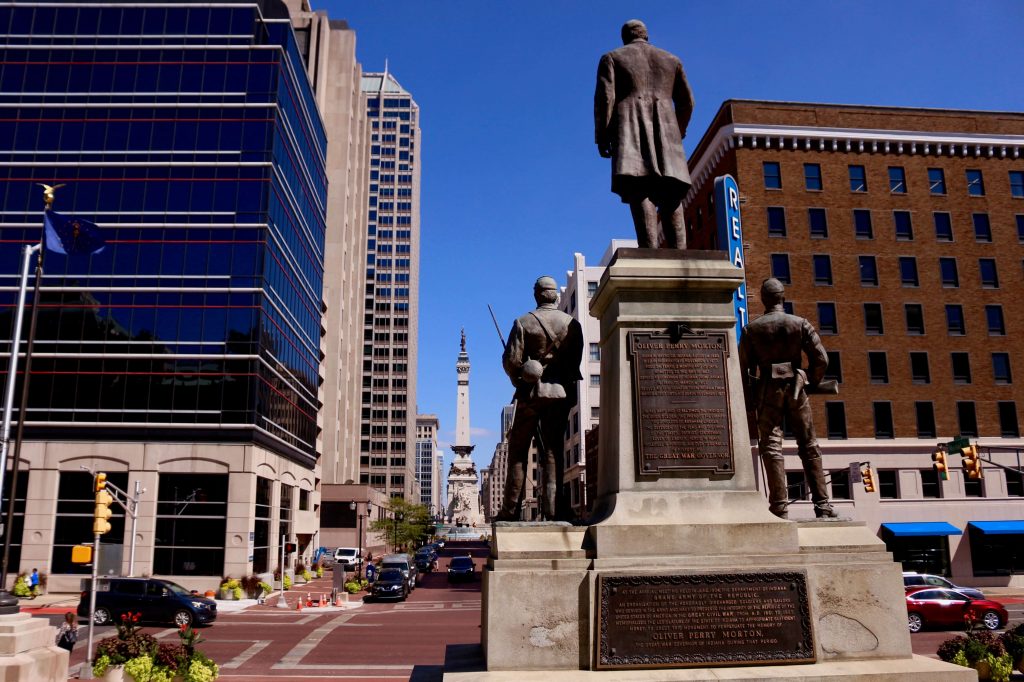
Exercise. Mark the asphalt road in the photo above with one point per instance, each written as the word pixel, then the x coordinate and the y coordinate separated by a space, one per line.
pixel 411 640
pixel 365 641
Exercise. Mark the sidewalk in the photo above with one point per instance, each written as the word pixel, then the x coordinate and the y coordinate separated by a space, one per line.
pixel 50 603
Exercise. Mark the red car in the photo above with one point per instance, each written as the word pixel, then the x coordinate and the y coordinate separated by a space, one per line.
pixel 948 608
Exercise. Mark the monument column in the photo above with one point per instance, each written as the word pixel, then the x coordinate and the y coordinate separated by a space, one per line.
pixel 463 483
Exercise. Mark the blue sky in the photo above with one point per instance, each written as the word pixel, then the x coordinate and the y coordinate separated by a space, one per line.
pixel 512 182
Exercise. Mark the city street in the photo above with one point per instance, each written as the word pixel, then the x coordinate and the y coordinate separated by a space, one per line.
pixel 409 640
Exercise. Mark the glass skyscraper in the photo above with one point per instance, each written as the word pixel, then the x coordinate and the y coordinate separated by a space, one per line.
pixel 189 133
pixel 388 436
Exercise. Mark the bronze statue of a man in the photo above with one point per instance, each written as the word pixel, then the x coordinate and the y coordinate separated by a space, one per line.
pixel 542 358
pixel 642 106
pixel 776 387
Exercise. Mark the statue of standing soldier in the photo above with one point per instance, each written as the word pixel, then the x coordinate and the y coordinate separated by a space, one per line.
pixel 776 387
pixel 642 106
pixel 542 358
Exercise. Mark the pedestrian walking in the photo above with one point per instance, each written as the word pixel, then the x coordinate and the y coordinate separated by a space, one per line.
pixel 33 582
pixel 67 633
pixel 371 572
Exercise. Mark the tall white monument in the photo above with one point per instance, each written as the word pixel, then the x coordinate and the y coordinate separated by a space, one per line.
pixel 463 483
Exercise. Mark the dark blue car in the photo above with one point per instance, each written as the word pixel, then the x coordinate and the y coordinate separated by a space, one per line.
pixel 157 601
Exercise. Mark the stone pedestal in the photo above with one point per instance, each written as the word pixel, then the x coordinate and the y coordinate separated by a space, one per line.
pixel 27 652
pixel 541 589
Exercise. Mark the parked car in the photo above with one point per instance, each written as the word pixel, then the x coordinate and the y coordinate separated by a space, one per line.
pixel 404 563
pixel 911 580
pixel 347 558
pixel 157 600
pixel 391 584
pixel 461 568
pixel 932 606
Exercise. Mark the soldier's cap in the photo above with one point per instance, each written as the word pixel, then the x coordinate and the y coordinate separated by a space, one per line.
pixel 772 287
pixel 545 282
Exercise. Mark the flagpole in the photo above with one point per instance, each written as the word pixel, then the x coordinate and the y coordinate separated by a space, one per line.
pixel 23 410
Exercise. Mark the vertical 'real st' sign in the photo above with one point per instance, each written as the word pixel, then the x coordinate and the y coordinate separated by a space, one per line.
pixel 730 238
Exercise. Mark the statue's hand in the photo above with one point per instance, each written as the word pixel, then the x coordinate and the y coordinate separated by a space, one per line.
pixel 605 150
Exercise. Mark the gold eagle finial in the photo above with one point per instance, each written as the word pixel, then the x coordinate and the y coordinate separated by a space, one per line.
pixel 48 193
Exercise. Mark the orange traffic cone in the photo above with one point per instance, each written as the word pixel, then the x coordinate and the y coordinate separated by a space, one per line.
pixel 298 604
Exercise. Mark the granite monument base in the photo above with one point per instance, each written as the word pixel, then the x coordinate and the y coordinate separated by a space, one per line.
pixel 27 652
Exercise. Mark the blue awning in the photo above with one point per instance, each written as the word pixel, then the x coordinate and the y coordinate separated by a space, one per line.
pixel 922 529
pixel 1000 527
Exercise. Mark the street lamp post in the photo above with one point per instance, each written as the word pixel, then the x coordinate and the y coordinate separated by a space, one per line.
pixel 354 506
pixel 397 517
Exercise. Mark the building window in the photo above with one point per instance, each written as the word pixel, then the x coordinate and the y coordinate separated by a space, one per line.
pixel 904 228
pixel 595 379
pixel 74 517
pixel 936 181
pixel 931 487
pixel 888 484
pixel 591 289
pixel 925 412
pixel 994 317
pixel 919 371
pixel 822 265
pixel 1017 184
pixel 873 319
pixel 835 420
pixel 812 176
pixel 1014 482
pixel 828 323
pixel 897 180
pixel 914 314
pixel 780 267
pixel 776 221
pixel 989 276
pixel 595 352
pixel 595 412
pixel 975 183
pixel 883 419
pixel 796 485
pixel 834 370
pixel 943 227
pixel 948 273
pixel 982 227
pixel 787 307
pixel 1020 228
pixel 868 271
pixel 818 222
pixel 862 224
pixel 840 484
pixel 908 271
pixel 973 488
pixel 966 418
pixel 772 175
pixel 955 324
pixel 961 367
pixel 1008 427
pixel 858 179
pixel 191 519
pixel 1001 368
pixel 878 367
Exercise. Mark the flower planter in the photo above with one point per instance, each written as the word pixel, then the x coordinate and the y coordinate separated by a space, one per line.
pixel 226 595
pixel 984 670
pixel 114 673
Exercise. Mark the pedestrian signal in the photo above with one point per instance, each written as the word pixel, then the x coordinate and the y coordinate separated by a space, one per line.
pixel 289 547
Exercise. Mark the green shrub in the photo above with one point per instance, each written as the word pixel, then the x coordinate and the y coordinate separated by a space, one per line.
pixel 266 587
pixel 237 592
pixel 21 587
pixel 287 582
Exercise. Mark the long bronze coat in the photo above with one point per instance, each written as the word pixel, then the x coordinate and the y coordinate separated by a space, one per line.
pixel 637 86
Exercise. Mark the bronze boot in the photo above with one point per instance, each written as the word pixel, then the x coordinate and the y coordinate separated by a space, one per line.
pixel 778 493
pixel 815 477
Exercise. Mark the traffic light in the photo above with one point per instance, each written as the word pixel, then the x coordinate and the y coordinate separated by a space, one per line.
pixel 941 465
pixel 289 547
pixel 868 479
pixel 102 513
pixel 971 462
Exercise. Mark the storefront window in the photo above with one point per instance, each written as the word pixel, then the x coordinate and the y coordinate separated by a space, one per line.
pixel 191 520
pixel 76 501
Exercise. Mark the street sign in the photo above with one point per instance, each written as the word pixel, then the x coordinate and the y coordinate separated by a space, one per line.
pixel 855 473
pixel 955 446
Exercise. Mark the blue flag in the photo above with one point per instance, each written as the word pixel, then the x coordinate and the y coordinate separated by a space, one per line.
pixel 71 235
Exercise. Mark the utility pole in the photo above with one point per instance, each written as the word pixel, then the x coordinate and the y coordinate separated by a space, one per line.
pixel 100 525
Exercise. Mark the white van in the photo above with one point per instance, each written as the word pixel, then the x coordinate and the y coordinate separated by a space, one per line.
pixel 347 558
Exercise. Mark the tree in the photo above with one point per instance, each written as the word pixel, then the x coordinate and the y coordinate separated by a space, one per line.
pixel 405 523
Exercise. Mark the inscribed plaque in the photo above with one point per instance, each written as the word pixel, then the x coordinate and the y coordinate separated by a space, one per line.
pixel 681 402
pixel 675 621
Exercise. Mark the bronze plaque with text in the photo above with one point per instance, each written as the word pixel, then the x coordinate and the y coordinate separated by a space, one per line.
pixel 681 402
pixel 676 621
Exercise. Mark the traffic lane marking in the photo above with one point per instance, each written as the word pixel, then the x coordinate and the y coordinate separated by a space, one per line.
pixel 310 642
pixel 243 658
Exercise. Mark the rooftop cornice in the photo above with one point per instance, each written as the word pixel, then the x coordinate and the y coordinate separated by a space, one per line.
pixel 849 140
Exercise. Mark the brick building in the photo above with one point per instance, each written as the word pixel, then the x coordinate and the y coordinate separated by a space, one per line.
pixel 900 234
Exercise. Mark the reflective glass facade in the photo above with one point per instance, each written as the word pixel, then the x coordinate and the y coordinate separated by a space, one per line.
pixel 189 134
